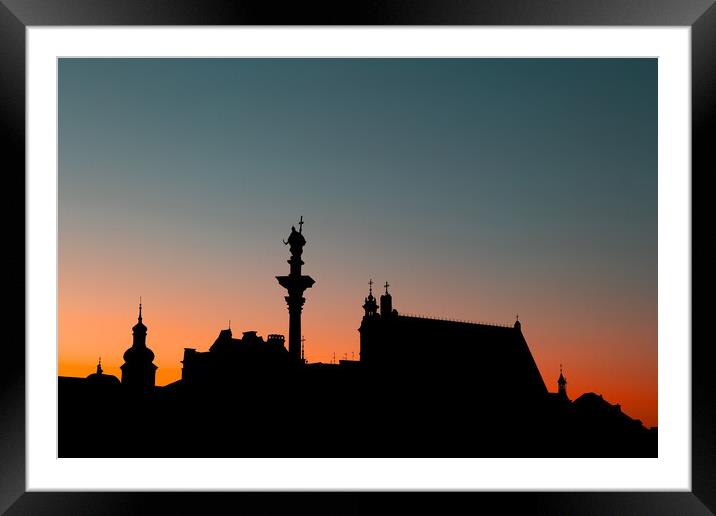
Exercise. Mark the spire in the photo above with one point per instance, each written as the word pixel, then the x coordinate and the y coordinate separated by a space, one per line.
pixel 370 306
pixel 99 366
pixel 562 384
pixel 139 329
pixel 386 288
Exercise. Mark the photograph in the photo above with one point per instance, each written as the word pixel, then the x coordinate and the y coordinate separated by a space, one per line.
pixel 357 257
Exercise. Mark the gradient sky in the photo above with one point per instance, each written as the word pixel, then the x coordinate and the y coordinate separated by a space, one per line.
pixel 479 188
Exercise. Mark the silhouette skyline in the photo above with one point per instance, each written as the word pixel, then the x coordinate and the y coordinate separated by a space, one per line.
pixel 443 386
pixel 478 188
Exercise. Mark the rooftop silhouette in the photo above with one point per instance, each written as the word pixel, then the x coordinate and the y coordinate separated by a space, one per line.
pixel 421 386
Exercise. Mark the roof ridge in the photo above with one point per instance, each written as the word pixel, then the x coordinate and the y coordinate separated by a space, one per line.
pixel 450 319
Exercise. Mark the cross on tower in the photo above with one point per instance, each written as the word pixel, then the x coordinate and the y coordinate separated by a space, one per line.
pixel 300 225
pixel 370 285
pixel 386 287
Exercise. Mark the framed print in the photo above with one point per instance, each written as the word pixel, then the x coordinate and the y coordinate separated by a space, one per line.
pixel 443 250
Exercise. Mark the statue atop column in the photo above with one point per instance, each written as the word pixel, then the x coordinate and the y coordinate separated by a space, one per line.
pixel 296 284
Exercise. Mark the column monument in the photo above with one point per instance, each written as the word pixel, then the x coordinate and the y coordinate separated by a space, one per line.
pixel 296 284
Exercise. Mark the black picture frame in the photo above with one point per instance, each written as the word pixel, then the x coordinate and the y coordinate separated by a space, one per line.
pixel 17 15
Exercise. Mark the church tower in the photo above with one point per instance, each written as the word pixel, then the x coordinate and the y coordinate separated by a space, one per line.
pixel 138 370
pixel 370 306
pixel 386 303
pixel 562 385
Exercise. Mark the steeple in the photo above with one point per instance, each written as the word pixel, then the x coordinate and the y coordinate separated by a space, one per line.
pixel 518 324
pixel 139 331
pixel 386 302
pixel 370 306
pixel 562 384
pixel 138 370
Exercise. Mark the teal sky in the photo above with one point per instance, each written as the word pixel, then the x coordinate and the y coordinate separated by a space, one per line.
pixel 478 187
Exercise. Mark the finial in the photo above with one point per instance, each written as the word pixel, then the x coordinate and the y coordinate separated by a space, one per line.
pixel 386 287
pixel 560 368
pixel 518 317
pixel 99 366
pixel 140 308
pixel 229 323
pixel 370 286
pixel 300 225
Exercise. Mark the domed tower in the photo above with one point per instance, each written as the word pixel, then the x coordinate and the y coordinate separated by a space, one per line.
pixel 370 306
pixel 386 302
pixel 98 378
pixel 562 385
pixel 138 370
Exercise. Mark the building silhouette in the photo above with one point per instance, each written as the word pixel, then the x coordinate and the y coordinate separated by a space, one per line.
pixel 479 357
pixel 422 387
pixel 230 359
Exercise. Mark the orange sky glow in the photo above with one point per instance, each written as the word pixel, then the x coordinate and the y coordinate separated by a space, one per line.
pixel 184 310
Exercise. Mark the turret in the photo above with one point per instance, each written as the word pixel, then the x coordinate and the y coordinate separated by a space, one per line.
pixel 370 306
pixel 562 385
pixel 386 303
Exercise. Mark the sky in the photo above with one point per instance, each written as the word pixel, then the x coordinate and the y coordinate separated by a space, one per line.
pixel 478 188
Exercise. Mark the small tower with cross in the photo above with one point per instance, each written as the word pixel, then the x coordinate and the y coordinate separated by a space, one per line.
pixel 370 306
pixel 562 385
pixel 386 303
